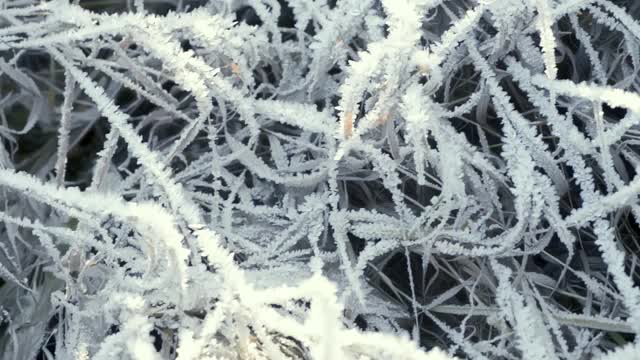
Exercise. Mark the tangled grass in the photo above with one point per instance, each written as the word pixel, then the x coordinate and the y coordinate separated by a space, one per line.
pixel 309 179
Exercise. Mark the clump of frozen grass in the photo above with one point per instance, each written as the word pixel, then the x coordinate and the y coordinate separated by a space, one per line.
pixel 326 180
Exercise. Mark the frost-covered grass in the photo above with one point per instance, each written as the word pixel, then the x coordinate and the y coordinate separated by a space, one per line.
pixel 310 179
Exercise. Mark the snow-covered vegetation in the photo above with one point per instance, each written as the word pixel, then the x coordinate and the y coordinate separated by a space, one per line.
pixel 319 179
